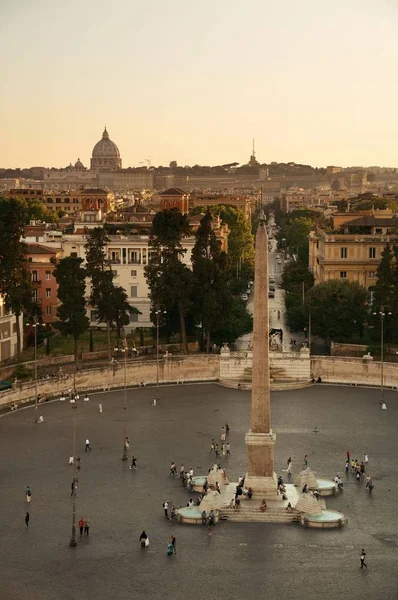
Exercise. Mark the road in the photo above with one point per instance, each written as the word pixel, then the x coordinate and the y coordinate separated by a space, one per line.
pixel 262 561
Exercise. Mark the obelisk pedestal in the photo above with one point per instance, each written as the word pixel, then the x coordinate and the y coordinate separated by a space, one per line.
pixel 260 440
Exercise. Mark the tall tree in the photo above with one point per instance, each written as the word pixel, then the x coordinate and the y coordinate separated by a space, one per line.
pixel 169 279
pixel 71 280
pixel 385 293
pixel 338 309
pixel 211 274
pixel 101 276
pixel 15 283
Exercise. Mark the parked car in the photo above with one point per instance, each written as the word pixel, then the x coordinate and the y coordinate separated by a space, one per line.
pixel 5 385
pixel 244 297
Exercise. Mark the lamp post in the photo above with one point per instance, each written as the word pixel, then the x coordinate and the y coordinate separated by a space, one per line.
pixel 160 310
pixel 124 349
pixel 73 402
pixel 35 326
pixel 382 310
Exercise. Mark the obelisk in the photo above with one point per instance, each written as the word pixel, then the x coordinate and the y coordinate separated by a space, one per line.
pixel 260 440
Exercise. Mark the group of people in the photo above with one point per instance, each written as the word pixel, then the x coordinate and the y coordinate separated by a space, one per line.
pixel 358 469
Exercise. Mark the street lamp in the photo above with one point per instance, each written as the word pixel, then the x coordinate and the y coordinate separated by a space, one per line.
pixel 125 350
pixel 382 310
pixel 160 310
pixel 35 326
pixel 73 402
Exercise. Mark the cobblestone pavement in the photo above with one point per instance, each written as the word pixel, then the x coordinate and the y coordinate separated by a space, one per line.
pixel 238 560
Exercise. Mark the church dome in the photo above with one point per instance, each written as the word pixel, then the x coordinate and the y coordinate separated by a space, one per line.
pixel 105 147
pixel 106 155
pixel 79 165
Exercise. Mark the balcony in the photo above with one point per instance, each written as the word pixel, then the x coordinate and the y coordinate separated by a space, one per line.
pixel 114 261
pixel 133 261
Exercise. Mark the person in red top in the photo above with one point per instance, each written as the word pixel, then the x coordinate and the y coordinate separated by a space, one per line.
pixel 81 525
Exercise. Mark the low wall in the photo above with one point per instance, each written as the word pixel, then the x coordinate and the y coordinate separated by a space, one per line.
pixel 333 369
pixel 171 369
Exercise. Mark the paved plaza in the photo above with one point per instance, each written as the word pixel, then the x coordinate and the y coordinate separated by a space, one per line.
pixel 239 560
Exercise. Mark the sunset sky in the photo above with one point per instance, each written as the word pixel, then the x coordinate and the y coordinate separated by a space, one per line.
pixel 313 81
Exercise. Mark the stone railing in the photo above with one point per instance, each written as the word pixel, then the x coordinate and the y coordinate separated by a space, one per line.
pixel 171 369
pixel 354 371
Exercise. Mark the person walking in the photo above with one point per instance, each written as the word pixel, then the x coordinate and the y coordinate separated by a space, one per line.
pixel 28 494
pixel 222 434
pixel 144 540
pixel 362 557
pixel 86 526
pixel 211 521
pixel 173 469
pixel 127 443
pixel 166 509
pixel 213 445
pixel 289 465
pixel 88 447
pixel 305 461
pixel 182 471
pixel 173 541
pixel 27 517
pixel 227 429
pixel 228 449
pixel 133 463
pixel 81 526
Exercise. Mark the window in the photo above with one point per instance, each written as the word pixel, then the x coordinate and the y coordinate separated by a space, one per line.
pixel 48 310
pixel 66 200
pixel 48 275
pixel 49 200
pixel 34 276
pixel 133 318
pixel 114 272
pixel 35 296
pixel 343 274
pixel 133 273
pixel 57 200
pixel 133 293
pixel 75 200
pixel 343 252
pixel 48 292
pixel 372 252
pixel 372 274
pixel 74 254
pixel 30 259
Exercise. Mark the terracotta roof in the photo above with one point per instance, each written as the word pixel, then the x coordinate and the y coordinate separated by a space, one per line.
pixel 34 230
pixel 371 221
pixel 173 192
pixel 39 249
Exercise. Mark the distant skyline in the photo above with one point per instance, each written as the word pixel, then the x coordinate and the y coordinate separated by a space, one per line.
pixel 313 82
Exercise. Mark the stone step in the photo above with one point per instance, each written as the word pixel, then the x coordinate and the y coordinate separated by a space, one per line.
pixel 261 518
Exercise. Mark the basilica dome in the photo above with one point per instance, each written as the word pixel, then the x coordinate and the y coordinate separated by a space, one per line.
pixel 106 155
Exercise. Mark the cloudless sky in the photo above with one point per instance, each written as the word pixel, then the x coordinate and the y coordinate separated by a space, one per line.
pixel 313 81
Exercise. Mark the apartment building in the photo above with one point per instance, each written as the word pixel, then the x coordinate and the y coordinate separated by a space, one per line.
pixel 8 332
pixel 41 264
pixel 354 252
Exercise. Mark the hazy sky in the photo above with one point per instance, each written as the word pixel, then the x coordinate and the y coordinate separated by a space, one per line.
pixel 313 81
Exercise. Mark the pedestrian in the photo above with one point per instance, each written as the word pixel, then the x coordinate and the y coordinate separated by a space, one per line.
pixel 305 461
pixel 166 509
pixel 289 465
pixel 218 487
pixel 223 449
pixel 305 488
pixel 204 517
pixel 222 434
pixel 81 526
pixel 27 517
pixel 133 463
pixel 365 459
pixel 144 540
pixel 100 407
pixel 348 455
pixel 169 546
pixel 28 494
pixel 213 445
pixel 347 465
pixel 362 557
pixel 86 398
pixel 211 520
pixel 88 447
pixel 86 526
pixel 358 476
pixel 173 469
pixel 227 429
pixel 182 471
pixel 216 451
pixel 173 541
pixel 228 449
pixel 73 488
pixel 127 443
